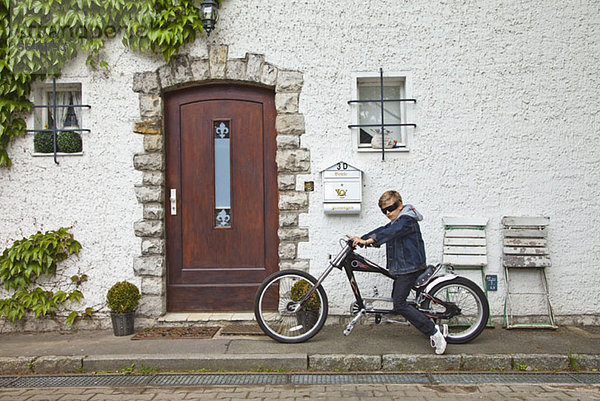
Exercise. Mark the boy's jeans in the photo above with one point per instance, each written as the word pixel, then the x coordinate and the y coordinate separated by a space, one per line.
pixel 402 285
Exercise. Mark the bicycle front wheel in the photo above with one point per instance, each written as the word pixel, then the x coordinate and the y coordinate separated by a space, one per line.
pixel 472 311
pixel 275 306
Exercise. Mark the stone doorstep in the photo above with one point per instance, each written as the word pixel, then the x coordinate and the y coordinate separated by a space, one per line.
pixel 207 318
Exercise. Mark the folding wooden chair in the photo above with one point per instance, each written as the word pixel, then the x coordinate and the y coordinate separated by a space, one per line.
pixel 525 247
pixel 465 245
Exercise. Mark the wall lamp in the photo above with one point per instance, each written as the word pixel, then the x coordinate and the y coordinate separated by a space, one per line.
pixel 209 12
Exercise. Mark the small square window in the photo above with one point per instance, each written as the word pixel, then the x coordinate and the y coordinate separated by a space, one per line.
pixel 67 116
pixel 367 120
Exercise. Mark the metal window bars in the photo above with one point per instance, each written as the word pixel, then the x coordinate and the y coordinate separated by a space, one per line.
pixel 53 128
pixel 383 124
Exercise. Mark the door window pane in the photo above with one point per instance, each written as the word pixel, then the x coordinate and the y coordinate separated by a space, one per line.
pixel 222 174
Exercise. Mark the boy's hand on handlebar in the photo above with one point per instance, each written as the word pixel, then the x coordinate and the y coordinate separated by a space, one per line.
pixel 362 242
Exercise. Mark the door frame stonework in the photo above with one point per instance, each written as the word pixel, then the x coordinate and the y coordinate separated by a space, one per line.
pixel 185 71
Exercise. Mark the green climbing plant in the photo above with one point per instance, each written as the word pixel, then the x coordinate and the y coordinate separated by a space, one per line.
pixel 34 257
pixel 37 37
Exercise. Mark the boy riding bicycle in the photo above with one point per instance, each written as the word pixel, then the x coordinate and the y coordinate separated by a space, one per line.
pixel 405 253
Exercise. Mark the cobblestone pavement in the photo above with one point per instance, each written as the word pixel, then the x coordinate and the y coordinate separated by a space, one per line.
pixel 346 392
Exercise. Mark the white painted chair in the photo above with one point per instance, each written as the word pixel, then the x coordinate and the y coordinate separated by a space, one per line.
pixel 525 247
pixel 465 246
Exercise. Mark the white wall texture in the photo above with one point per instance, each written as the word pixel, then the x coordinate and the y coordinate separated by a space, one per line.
pixel 507 114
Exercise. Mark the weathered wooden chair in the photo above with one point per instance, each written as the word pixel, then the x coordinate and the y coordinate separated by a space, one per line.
pixel 465 246
pixel 525 247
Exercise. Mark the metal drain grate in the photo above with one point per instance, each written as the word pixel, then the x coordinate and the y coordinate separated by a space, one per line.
pixel 504 378
pixel 587 378
pixel 360 378
pixel 251 379
pixel 6 381
pixel 81 381
pixel 234 379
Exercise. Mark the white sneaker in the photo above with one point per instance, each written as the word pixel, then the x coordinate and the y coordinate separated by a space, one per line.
pixel 438 341
pixel 444 329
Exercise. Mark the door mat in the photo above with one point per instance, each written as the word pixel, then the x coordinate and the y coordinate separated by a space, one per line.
pixel 158 333
pixel 242 330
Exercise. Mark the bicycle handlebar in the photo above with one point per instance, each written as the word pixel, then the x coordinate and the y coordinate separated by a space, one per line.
pixel 351 243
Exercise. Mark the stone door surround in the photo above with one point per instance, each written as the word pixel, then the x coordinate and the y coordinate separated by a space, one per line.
pixel 185 71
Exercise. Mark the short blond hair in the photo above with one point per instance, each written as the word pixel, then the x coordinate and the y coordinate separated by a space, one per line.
pixel 389 196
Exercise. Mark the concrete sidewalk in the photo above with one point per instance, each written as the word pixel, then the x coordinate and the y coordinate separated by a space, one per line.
pixel 369 347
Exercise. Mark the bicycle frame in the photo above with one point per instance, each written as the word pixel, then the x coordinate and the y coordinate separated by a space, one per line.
pixel 351 262
pixel 445 298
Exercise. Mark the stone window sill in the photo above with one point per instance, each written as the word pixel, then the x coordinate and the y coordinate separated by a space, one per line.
pixel 34 154
pixel 378 150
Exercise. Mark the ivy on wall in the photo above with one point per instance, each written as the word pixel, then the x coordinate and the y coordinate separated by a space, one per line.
pixel 31 258
pixel 37 37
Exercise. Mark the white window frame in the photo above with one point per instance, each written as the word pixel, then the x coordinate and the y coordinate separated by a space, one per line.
pixel 41 93
pixel 40 96
pixel 398 78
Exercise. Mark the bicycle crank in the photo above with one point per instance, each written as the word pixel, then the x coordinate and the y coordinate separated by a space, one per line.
pixel 350 326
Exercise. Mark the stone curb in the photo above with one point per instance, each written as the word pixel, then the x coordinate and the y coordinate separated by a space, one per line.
pixel 245 362
pixel 298 362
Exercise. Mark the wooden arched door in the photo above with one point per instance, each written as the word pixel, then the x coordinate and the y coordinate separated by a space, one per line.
pixel 221 196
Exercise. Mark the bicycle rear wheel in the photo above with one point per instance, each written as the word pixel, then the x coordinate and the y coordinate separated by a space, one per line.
pixel 277 299
pixel 471 303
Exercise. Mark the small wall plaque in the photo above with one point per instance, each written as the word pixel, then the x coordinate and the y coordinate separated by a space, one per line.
pixel 491 282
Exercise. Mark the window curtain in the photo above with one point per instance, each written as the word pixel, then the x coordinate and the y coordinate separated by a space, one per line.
pixel 64 98
pixel 61 112
pixel 77 100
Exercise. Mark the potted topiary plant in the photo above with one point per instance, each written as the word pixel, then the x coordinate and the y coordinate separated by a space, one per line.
pixel 43 142
pixel 308 314
pixel 69 142
pixel 123 299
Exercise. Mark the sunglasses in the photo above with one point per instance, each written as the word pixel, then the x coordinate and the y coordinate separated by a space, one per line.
pixel 391 207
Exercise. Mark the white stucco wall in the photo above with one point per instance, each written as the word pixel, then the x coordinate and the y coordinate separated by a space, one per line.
pixel 93 192
pixel 507 114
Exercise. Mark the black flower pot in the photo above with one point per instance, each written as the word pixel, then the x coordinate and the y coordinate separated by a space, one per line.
pixel 122 323
pixel 307 318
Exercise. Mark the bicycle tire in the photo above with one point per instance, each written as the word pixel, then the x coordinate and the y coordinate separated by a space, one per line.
pixel 273 300
pixel 475 310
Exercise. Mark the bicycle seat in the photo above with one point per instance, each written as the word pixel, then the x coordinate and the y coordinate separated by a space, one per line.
pixel 425 276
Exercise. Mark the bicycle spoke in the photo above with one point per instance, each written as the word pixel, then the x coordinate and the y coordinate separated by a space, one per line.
pixel 468 322
pixel 279 313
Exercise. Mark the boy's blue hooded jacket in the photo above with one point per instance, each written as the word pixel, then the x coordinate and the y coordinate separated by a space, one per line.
pixel 404 245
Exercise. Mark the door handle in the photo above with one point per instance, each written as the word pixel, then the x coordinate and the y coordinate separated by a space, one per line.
pixel 173 200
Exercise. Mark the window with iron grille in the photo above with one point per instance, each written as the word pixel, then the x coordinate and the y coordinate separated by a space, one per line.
pixel 381 105
pixel 58 119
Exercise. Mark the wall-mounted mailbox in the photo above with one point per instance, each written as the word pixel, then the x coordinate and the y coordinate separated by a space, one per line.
pixel 342 189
